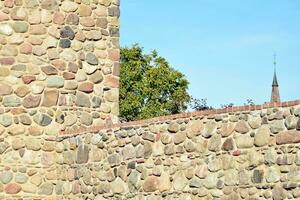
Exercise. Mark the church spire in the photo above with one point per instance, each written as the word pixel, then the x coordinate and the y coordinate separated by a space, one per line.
pixel 275 97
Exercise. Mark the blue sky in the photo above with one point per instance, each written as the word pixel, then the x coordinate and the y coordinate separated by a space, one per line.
pixel 224 47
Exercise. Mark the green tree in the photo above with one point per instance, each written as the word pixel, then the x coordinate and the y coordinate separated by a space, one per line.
pixel 149 87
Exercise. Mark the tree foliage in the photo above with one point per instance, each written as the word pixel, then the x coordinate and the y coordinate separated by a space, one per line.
pixel 149 86
pixel 200 104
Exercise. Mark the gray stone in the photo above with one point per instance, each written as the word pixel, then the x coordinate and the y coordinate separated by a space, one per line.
pixel 210 129
pixel 215 143
pixel 210 181
pixel 244 141
pixel 277 126
pixel 173 127
pixel 11 101
pixel 20 27
pixel 179 137
pixel 291 122
pixel 114 160
pixel 64 43
pixel 42 119
pixel 21 178
pixel 68 157
pixel 272 174
pixel 55 81
pixel 96 77
pixel 231 177
pixel 257 176
pixel 133 179
pixel 3 147
pixel 86 119
pixel 262 136
pixel 6 177
pixel 46 189
pixel 67 32
pixel 5 120
pixel 82 154
pixel 195 183
pixel 82 100
pixel 91 59
pixel 128 153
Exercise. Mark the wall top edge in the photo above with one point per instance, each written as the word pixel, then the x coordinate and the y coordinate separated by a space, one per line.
pixel 94 129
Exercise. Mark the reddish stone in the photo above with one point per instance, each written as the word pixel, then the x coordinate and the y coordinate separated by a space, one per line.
pixel 37 29
pixel 157 136
pixel 236 153
pixel 62 100
pixel 12 188
pixel 5 89
pixel 31 101
pixel 28 79
pixel 288 137
pixel 25 48
pixel 17 111
pixel 111 81
pixel 151 184
pixel 21 152
pixel 7 61
pixel 8 3
pixel 59 64
pixel 86 87
pixel 58 18
pixel 49 70
pixel 228 145
pixel 50 98
pixel 114 54
pixel 35 131
pixel 22 91
pixel 3 16
pixel 68 75
pixel 72 67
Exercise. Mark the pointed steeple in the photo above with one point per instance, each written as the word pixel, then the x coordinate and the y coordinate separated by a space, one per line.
pixel 275 97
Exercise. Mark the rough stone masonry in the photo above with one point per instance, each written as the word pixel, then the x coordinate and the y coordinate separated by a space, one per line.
pixel 59 136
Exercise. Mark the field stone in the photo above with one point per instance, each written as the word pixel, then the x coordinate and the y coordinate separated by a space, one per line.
pixel 91 59
pixel 262 136
pixel 55 81
pixel 5 120
pixel 64 43
pixel 6 177
pixel 11 101
pixel 6 29
pixel 82 100
pixel 20 27
pixel 42 119
pixel 244 141
pixel 69 6
pixel 46 189
pixel 96 77
pixel 209 129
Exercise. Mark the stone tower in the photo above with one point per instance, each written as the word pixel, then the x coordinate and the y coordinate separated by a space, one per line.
pixel 59 69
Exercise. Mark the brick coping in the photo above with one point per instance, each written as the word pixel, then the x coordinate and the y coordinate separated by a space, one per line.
pixel 109 125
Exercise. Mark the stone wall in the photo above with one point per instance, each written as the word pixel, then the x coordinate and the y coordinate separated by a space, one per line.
pixel 237 153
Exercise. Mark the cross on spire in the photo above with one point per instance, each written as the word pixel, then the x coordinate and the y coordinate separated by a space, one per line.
pixel 275 97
